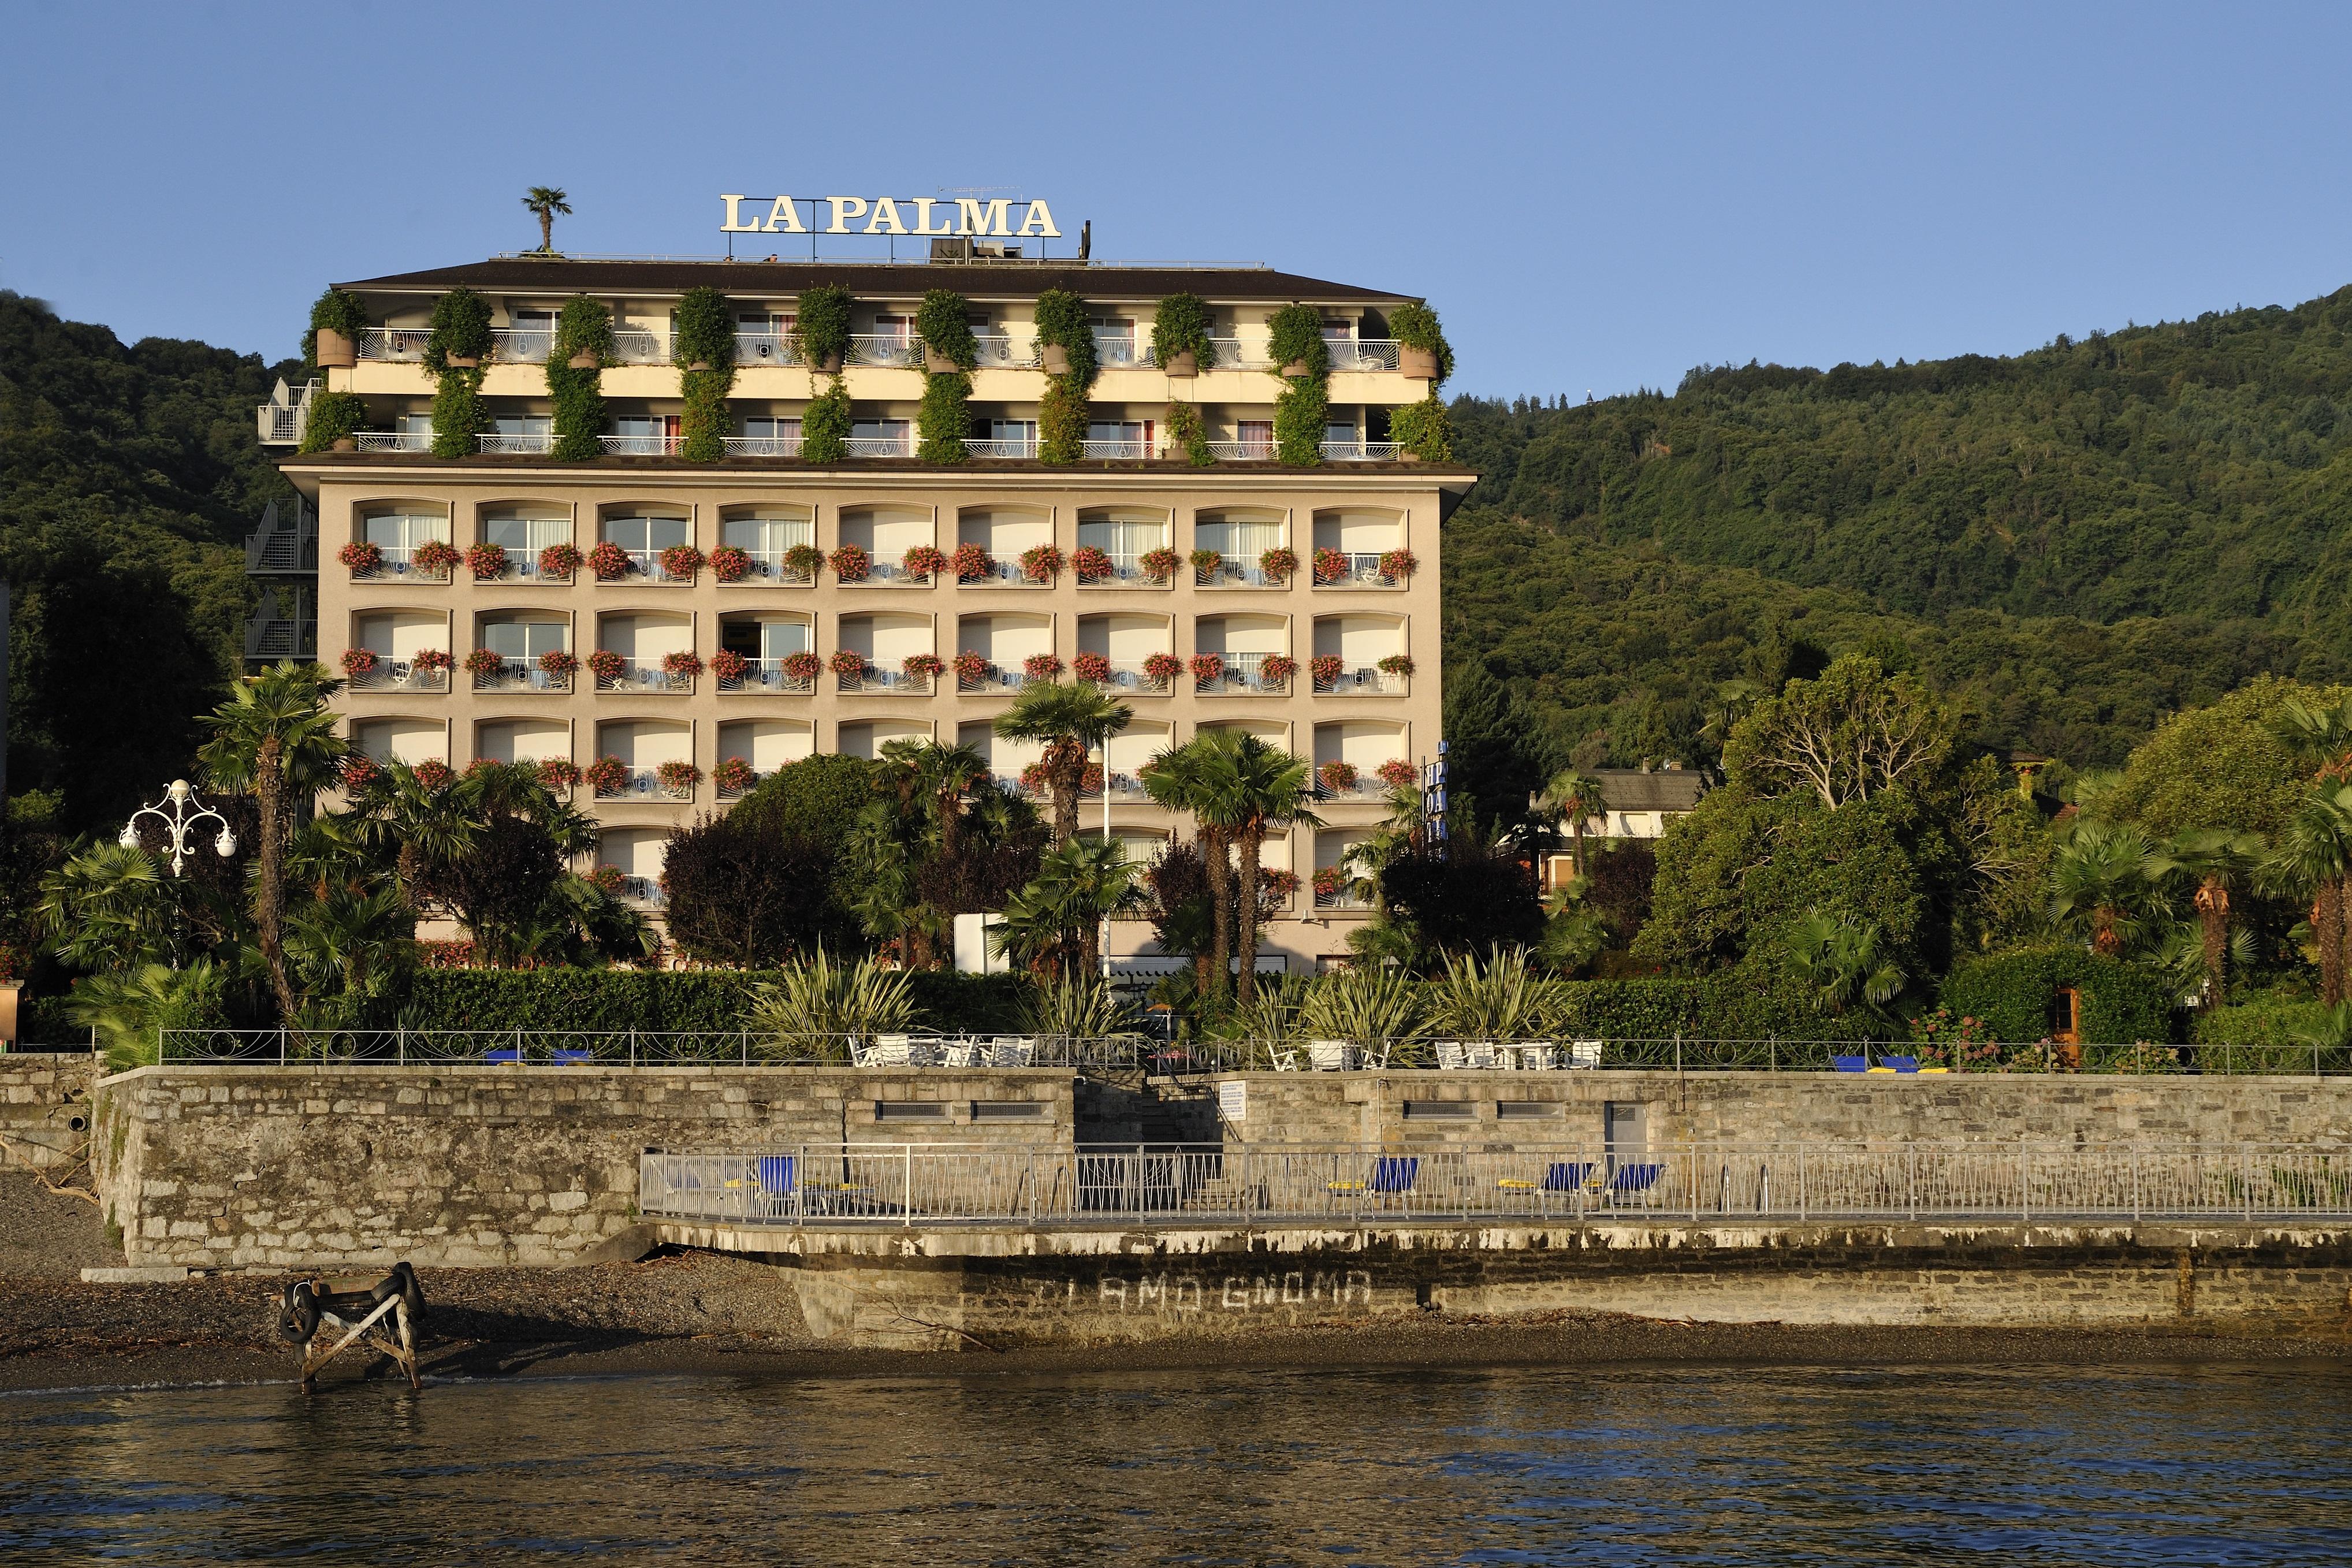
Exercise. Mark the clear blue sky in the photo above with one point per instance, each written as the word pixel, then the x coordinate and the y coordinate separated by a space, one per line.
pixel 1592 197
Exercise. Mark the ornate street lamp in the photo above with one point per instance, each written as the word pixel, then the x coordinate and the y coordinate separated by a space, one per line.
pixel 179 812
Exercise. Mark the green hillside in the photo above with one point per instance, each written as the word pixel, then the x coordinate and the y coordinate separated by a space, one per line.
pixel 2078 539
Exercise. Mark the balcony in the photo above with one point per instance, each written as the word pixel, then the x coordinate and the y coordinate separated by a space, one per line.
pixel 1243 451
pixel 770 676
pixel 643 784
pixel 644 565
pixel 518 674
pixel 1122 351
pixel 1248 675
pixel 642 445
pixel 394 345
pixel 397 562
pixel 886 351
pixel 279 421
pixel 1348 354
pixel 769 567
pixel 1127 571
pixel 393 440
pixel 881 445
pixel 1360 681
pixel 1352 569
pixel 1361 451
pixel 1236 574
pixel 534 443
pixel 1126 678
pixel 753 350
pixel 1133 448
pixel 1345 895
pixel 1018 448
pixel 636 677
pixel 400 676
pixel 521 345
pixel 640 346
pixel 283 545
pixel 644 889
pixel 763 445
pixel 874 682
pixel 1003 352
pixel 1233 354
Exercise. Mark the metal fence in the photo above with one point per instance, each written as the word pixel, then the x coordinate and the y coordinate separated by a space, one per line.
pixel 905 1184
pixel 639 1048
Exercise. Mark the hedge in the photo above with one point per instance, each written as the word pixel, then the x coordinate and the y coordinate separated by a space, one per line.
pixel 2263 1021
pixel 677 1001
pixel 1736 1007
pixel 2010 993
pixel 42 1021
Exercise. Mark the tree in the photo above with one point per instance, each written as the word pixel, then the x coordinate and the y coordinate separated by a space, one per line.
pixel 1069 719
pixel 2311 858
pixel 1178 779
pixel 1854 732
pixel 1054 924
pixel 1575 795
pixel 1844 965
pixel 2236 764
pixel 2104 884
pixel 275 740
pixel 737 893
pixel 545 201
pixel 413 822
pixel 2219 862
pixel 1466 896
pixel 1251 788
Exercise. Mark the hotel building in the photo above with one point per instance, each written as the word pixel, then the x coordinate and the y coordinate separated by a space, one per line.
pixel 1338 661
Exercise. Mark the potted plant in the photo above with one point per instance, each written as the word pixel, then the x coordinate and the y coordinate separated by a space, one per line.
pixel 1422 350
pixel 435 558
pixel 559 772
pixel 923 562
pixel 971 668
pixel 729 564
pixel 1092 666
pixel 1161 668
pixel 734 774
pixel 1326 670
pixel 1278 563
pixel 1042 667
pixel 1330 565
pixel 729 666
pixel 1329 882
pixel 678 777
pixel 1034 779
pixel 607 776
pixel 1160 565
pixel 1208 669
pixel 850 564
pixel 1207 564
pixel 609 561
pixel 338 321
pixel 802 561
pixel 848 664
pixel 821 322
pixel 802 668
pixel 432 660
pixel 363 556
pixel 1338 778
pixel 1396 565
pixel 1398 774
pixel 358 662
pixel 680 562
pixel 1092 565
pixel 1276 668
pixel 433 773
pixel 483 662
pixel 1277 887
pixel 1054 359
pixel 1180 337
pixel 681 666
pixel 1041 563
pixel 971 563
pixel 558 561
pixel 1397 665
pixel 358 772
pixel 607 879
pixel 606 665
pixel 559 663
pixel 922 666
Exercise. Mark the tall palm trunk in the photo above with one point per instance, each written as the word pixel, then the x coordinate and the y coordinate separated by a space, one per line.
pixel 270 897
pixel 1576 832
pixel 1221 911
pixel 1065 766
pixel 2214 922
pixel 1246 901
pixel 2327 933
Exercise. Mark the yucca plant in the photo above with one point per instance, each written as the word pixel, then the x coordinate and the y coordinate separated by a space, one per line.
pixel 1495 998
pixel 1082 1007
pixel 129 1009
pixel 1374 1005
pixel 1271 1016
pixel 826 1003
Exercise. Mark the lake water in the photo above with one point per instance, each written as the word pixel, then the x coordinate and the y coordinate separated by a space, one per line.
pixel 1627 1465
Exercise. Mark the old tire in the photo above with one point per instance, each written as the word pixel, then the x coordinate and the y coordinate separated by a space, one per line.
pixel 297 1313
pixel 401 1283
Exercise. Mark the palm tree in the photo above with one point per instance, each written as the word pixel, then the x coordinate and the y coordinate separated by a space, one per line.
pixel 2219 859
pixel 2313 860
pixel 1070 719
pixel 1576 795
pixel 275 740
pixel 1175 779
pixel 1844 965
pixel 415 822
pixel 1057 920
pixel 2320 735
pixel 545 201
pixel 2103 882
pixel 1254 788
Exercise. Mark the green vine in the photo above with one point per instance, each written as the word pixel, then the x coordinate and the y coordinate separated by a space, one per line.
pixel 461 331
pixel 824 425
pixel 1304 407
pixel 1062 412
pixel 945 324
pixel 705 338
pixel 333 416
pixel 335 311
pixel 1416 327
pixel 942 420
pixel 1186 433
pixel 1181 324
pixel 1424 428
pixel 584 326
pixel 822 325
pixel 1296 333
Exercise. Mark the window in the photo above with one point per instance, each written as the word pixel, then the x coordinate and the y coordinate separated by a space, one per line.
pixel 646 435
pixel 532 334
pixel 1256 437
pixel 880 438
pixel 645 536
pixel 1114 340
pixel 764 639
pixel 772 438
pixel 1125 540
pixel 414 432
pixel 1241 541
pixel 522 537
pixel 524 639
pixel 899 327
pixel 1338 331
pixel 534 425
pixel 768 537
pixel 398 533
pixel 1119 438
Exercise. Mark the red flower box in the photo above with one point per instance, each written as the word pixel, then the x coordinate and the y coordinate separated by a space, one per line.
pixel 1279 564
pixel 1327 669
pixel 848 664
pixel 683 663
pixel 1160 565
pixel 1162 668
pixel 850 564
pixel 607 776
pixel 1041 563
pixel 922 666
pixel 733 774
pixel 972 564
pixel 801 667
pixel 1330 880
pixel 559 772
pixel 1338 776
pixel 729 666
pixel 606 665
pixel 802 560
pixel 438 557
pixel 607 879
pixel 432 659
pixel 1277 667
pixel 1091 666
pixel 486 561
pixel 1092 565
pixel 971 668
pixel 1397 564
pixel 1208 668
pixel 433 773
pixel 681 561
pixel 358 661
pixel 558 560
pixel 1042 667
pixel 359 772
pixel 361 557
pixel 1397 665
pixel 923 561
pixel 609 561
pixel 678 777
pixel 483 662
pixel 1398 774
pixel 1330 566
pixel 557 661
pixel 729 564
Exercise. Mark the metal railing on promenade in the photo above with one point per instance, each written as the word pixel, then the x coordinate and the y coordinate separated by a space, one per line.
pixel 905 1184
pixel 1159 1057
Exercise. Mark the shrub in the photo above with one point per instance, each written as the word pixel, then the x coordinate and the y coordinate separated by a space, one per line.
pixel 1181 324
pixel 943 416
pixel 333 415
pixel 1424 428
pixel 1301 415
pixel 1296 337
pixel 334 311
pixel 821 324
pixel 2012 994
pixel 1188 435
pixel 584 326
pixel 1416 327
pixel 824 423
pixel 944 322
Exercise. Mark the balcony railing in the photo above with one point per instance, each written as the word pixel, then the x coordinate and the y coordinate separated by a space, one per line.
pixel 766 675
pixel 643 445
pixel 638 677
pixel 1361 451
pixel 1128 677
pixel 1019 447
pixel 1236 574
pixel 1001 350
pixel 395 561
pixel 523 345
pixel 1244 672
pixel 763 445
pixel 753 350
pixel 881 445
pixel 646 784
pixel 886 351
pixel 280 545
pixel 279 421
pixel 1126 571
pixel 646 889
pixel 518 674
pixel 1243 451
pixel 640 346
pixel 1362 353
pixel 278 637
pixel 1233 354
pixel 1137 448
pixel 887 682
pixel 403 345
pixel 399 676
pixel 1362 568
pixel 393 440
pixel 1346 897
pixel 990 682
pixel 1368 681
pixel 535 444
pixel 891 573
pixel 645 564
pixel 768 567
pixel 1003 572
pixel 1122 351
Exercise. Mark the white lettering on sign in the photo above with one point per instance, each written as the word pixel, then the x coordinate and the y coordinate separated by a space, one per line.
pixel 885 215
pixel 1232 1100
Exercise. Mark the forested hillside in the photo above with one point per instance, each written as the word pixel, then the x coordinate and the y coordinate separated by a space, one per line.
pixel 129 477
pixel 2078 539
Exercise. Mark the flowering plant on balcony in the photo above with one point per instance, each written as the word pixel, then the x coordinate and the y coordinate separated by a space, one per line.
pixel 433 773
pixel 802 560
pixel 606 776
pixel 1277 887
pixel 558 661
pixel 848 664
pixel 971 668
pixel 1276 668
pixel 559 772
pixel 430 659
pixel 484 662
pixel 1092 565
pixel 1036 781
pixel 972 564
pixel 922 666
pixel 358 661
pixel 1208 669
pixel 801 667
pixel 609 561
pixel 850 564
pixel 729 564
pixel 1330 565
pixel 1279 564
pixel 729 666
pixel 558 560
pixel 923 561
pixel 1398 774
pixel 1327 669
pixel 683 664
pixel 1397 665
pixel 1161 668
pixel 359 772
pixel 1397 564
pixel 1091 666
pixel 1340 778
pixel 608 879
pixel 1033 779
pixel 734 774
pixel 678 777
pixel 1041 563
pixel 480 765
pixel 1208 562
pixel 1329 882
pixel 486 561
pixel 681 561
pixel 1042 667
pixel 1159 565
pixel 607 665
pixel 361 556
pixel 436 556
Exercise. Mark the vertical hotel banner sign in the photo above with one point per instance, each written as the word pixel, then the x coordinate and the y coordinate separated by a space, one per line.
pixel 912 217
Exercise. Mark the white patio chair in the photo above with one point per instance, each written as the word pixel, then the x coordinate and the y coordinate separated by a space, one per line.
pixel 1584 1054
pixel 893 1050
pixel 1482 1055
pixel 1330 1055
pixel 961 1052
pixel 1014 1051
pixel 1285 1057
pixel 1538 1056
pixel 861 1051
pixel 925 1052
pixel 1451 1056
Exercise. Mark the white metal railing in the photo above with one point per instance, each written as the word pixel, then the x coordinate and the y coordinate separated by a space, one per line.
pixel 1001 350
pixel 1243 451
pixel 523 345
pixel 992 447
pixel 642 445
pixel 880 445
pixel 397 344
pixel 392 440
pixel 1233 354
pixel 647 564
pixel 399 676
pixel 1362 353
pixel 1361 451
pixel 396 561
pixel 1368 680
pixel 1130 675
pixel 1362 567
pixel 995 678
pixel 537 442
pixel 762 445
pixel 1246 573
pixel 886 351
pixel 895 682
pixel 753 350
pixel 1346 895
pixel 1124 569
pixel 1136 447
pixel 1246 670
pixel 766 675
pixel 1121 351
pixel 640 346
pixel 644 889
pixel 768 564
pixel 281 423
pixel 520 674
pixel 645 783
pixel 643 676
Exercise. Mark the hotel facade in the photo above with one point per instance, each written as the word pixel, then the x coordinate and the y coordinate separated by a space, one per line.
pixel 672 677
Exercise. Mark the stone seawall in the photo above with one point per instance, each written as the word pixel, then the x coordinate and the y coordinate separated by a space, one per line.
pixel 44 1107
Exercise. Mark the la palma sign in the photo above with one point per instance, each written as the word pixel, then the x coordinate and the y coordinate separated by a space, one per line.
pixel 915 216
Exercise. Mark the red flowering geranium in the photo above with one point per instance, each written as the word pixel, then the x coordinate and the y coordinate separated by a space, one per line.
pixel 358 661
pixel 359 771
pixel 1042 667
pixel 436 556
pixel 678 778
pixel 483 662
pixel 1327 669
pixel 1092 565
pixel 606 776
pixel 607 879
pixel 558 661
pixel 1398 774
pixel 1278 564
pixel 1091 666
pixel 733 774
pixel 360 556
pixel 729 564
pixel 1041 563
pixel 1397 665
pixel 971 668
pixel 558 560
pixel 1276 887
pixel 1329 881
pixel 728 665
pixel 924 561
pixel 607 665
pixel 609 561
pixel 922 666
pixel 802 668
pixel 1338 776
pixel 486 561
pixel 972 564
pixel 1160 565
pixel 1161 668
pixel 1208 669
pixel 559 772
pixel 682 664
pixel 1330 565
pixel 1276 668
pixel 433 773
pixel 801 562
pixel 431 659
pixel 681 561
pixel 1397 564
pixel 850 564
pixel 848 664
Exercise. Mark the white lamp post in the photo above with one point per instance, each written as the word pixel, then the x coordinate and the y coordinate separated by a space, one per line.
pixel 177 813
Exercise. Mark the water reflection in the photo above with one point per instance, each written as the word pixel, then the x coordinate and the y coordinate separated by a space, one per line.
pixel 1635 1465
